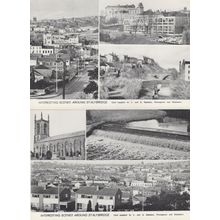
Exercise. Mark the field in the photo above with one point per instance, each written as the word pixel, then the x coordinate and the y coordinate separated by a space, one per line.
pixel 117 37
pixel 102 148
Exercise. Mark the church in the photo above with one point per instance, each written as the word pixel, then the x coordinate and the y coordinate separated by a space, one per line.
pixel 69 146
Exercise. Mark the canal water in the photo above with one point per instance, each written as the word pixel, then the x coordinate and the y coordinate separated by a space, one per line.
pixel 168 124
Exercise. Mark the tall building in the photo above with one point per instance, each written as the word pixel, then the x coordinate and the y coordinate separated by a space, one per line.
pixel 41 128
pixel 184 69
pixel 47 39
pixel 120 12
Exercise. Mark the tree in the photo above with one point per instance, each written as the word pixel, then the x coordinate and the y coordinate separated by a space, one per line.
pixel 91 87
pixel 113 20
pixel 48 155
pixel 89 206
pixel 97 207
pixel 93 74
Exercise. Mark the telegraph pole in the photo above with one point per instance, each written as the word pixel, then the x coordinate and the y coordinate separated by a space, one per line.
pixel 64 78
pixel 56 76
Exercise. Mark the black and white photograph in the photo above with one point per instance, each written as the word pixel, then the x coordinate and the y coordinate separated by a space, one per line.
pixel 145 72
pixel 71 186
pixel 58 134
pixel 63 49
pixel 138 134
pixel 145 22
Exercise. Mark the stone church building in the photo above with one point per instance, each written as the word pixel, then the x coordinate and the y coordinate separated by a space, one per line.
pixel 69 146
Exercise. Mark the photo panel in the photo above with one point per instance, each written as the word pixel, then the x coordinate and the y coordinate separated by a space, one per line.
pixel 138 134
pixel 145 22
pixel 107 187
pixel 145 72
pixel 64 49
pixel 58 134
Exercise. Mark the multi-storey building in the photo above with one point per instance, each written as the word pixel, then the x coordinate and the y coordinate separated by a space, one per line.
pixel 40 49
pixel 120 12
pixel 60 39
pixel 184 69
pixel 163 24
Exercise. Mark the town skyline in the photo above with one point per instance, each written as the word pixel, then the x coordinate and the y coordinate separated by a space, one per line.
pixel 169 57
pixel 153 5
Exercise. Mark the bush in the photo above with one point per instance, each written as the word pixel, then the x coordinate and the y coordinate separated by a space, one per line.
pixel 130 88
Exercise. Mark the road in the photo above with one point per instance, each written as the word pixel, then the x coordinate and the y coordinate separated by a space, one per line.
pixel 75 86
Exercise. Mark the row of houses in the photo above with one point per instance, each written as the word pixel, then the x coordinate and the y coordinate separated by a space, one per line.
pixel 59 198
pixel 96 197
pixel 112 57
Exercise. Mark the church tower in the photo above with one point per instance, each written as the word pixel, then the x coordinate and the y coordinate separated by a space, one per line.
pixel 41 128
pixel 140 9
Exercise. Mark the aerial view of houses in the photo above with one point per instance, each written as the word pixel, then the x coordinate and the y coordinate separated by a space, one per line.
pixel 144 72
pixel 63 51
pixel 141 186
pixel 146 22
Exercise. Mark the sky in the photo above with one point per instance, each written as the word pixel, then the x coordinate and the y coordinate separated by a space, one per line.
pixel 150 4
pixel 61 121
pixel 167 56
pixel 54 9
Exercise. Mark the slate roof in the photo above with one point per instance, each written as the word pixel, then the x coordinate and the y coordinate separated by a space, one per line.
pixel 107 191
pixel 41 190
pixel 43 72
pixel 87 190
pixel 93 191
pixel 62 136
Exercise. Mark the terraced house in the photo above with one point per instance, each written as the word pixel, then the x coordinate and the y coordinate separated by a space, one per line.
pixel 105 199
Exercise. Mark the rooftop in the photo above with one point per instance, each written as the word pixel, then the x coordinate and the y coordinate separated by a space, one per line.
pixel 63 136
pixel 42 190
pixel 121 6
pixel 93 191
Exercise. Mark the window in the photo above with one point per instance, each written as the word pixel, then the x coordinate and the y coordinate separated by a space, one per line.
pixel 111 197
pixel 56 196
pixel 101 197
pixel 86 196
pixel 79 205
pixel 45 128
pixel 38 128
pixel 46 196
pixel 35 195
